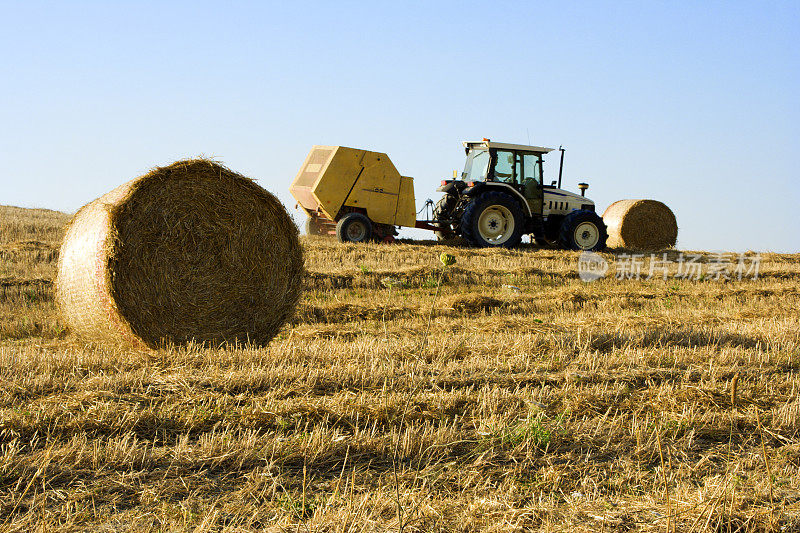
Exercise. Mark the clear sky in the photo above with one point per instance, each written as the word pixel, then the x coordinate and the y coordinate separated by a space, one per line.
pixel 691 103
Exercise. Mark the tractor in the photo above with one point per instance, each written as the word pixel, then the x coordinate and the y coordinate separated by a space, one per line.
pixel 502 196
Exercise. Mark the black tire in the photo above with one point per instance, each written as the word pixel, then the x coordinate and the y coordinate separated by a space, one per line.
pixel 354 227
pixel 313 227
pixel 443 211
pixel 583 230
pixel 507 209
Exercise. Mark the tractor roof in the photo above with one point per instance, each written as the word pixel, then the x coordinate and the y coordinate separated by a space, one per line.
pixel 505 146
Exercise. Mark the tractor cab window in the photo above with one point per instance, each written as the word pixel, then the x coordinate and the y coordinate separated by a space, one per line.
pixel 531 180
pixel 532 169
pixel 476 166
pixel 504 166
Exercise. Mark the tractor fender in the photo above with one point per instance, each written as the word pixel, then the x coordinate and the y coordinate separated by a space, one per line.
pixel 452 187
pixel 485 186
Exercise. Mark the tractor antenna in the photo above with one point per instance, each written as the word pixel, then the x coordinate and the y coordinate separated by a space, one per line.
pixel 528 131
pixel 561 165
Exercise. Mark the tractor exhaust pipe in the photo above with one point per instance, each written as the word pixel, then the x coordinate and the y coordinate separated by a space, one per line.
pixel 561 165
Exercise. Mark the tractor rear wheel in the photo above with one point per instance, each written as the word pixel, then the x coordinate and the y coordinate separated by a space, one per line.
pixel 583 230
pixel 354 227
pixel 442 211
pixel 493 219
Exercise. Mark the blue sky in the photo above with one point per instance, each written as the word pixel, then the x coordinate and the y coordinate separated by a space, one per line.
pixel 691 103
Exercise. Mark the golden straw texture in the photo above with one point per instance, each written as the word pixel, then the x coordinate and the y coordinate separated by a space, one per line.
pixel 640 225
pixel 189 252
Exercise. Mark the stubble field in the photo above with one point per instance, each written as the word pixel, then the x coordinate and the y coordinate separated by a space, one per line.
pixel 501 393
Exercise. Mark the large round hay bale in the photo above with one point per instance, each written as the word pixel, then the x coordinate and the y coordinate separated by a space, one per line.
pixel 191 252
pixel 640 225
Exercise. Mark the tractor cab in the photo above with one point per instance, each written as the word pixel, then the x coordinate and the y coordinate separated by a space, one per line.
pixel 515 165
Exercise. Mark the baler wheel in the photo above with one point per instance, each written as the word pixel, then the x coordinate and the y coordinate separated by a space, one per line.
pixel 354 227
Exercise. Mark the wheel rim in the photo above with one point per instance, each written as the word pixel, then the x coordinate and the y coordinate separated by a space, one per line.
pixel 587 235
pixel 356 231
pixel 496 224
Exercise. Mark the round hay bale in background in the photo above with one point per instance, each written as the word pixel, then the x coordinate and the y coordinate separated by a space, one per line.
pixel 640 225
pixel 189 252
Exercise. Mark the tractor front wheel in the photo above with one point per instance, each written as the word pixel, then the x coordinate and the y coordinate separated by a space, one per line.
pixel 583 230
pixel 493 219
pixel 354 227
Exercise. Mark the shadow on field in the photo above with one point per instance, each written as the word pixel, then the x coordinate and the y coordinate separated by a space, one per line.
pixel 686 338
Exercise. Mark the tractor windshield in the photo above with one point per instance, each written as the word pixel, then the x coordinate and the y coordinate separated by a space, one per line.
pixel 477 165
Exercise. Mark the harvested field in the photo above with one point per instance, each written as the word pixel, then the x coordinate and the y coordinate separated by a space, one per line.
pixel 503 394
pixel 21 226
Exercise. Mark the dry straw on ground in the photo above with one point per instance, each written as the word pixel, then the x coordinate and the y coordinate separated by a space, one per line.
pixel 541 410
pixel 640 225
pixel 190 252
